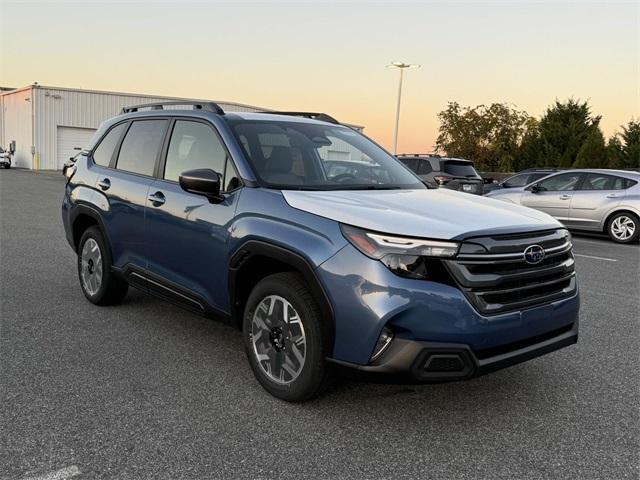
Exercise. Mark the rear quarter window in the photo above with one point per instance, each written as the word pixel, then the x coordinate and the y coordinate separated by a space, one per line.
pixel 104 151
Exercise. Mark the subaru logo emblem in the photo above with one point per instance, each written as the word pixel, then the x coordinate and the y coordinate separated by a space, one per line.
pixel 534 254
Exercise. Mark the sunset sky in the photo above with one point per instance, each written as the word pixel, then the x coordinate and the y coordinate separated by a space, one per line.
pixel 331 56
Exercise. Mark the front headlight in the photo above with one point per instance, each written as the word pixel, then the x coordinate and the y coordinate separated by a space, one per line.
pixel 402 255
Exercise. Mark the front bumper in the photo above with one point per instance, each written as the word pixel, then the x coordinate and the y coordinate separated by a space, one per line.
pixel 427 316
pixel 432 362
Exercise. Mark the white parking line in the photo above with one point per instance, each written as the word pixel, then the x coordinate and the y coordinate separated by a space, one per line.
pixel 62 474
pixel 597 258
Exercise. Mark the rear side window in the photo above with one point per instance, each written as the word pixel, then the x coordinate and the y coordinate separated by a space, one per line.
pixel 140 146
pixel 424 167
pixel 102 155
pixel 410 163
pixel 193 145
pixel 596 181
pixel 459 169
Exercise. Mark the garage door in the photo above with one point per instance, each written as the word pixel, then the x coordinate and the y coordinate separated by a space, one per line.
pixel 70 140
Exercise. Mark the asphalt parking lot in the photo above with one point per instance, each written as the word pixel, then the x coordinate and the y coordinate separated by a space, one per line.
pixel 145 390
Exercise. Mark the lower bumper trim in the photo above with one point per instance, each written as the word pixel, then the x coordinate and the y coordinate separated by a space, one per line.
pixel 432 362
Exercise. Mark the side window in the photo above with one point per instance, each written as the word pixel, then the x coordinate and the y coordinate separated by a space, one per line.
pixel 563 182
pixel 424 167
pixel 102 154
pixel 517 181
pixel 536 176
pixel 193 145
pixel 140 146
pixel 411 163
pixel 596 181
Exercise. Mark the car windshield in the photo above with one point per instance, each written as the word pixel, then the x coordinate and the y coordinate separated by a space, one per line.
pixel 313 156
pixel 459 169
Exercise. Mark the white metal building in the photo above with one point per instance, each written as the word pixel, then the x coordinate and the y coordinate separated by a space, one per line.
pixel 49 124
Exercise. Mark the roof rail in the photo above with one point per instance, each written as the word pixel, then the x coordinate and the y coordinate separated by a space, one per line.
pixel 323 117
pixel 434 155
pixel 208 106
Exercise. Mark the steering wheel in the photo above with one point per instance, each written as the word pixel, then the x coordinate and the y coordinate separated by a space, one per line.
pixel 342 177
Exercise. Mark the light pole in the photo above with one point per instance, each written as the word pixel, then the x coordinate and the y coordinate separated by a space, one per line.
pixel 401 66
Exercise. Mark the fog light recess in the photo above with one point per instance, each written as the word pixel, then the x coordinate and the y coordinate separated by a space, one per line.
pixel 386 336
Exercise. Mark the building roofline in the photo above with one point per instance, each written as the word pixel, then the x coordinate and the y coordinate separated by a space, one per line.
pixel 145 95
pixel 128 94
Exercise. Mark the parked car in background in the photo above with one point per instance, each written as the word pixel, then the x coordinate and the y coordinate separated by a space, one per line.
pixel 5 158
pixel 597 200
pixel 247 218
pixel 520 179
pixel 443 172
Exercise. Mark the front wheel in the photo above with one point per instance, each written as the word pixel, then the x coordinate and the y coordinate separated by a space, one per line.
pixel 7 166
pixel 285 339
pixel 623 227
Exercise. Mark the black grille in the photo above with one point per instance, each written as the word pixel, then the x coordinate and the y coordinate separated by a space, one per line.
pixel 493 273
pixel 444 363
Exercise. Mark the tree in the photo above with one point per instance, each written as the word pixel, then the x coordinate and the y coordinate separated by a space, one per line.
pixel 490 136
pixel 593 152
pixel 615 154
pixel 631 145
pixel 530 148
pixel 564 128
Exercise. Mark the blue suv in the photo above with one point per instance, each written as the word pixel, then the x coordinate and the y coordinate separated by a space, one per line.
pixel 318 244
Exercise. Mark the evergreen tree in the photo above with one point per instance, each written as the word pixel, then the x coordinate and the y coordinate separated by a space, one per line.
pixel 631 144
pixel 564 128
pixel 615 154
pixel 593 152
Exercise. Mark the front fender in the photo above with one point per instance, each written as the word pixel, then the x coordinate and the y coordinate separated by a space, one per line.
pixel 264 215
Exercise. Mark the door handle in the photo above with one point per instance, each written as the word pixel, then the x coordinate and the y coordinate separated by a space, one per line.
pixel 157 199
pixel 104 184
pixel 565 197
pixel 611 195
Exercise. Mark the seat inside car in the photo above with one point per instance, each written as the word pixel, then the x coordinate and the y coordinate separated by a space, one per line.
pixel 279 167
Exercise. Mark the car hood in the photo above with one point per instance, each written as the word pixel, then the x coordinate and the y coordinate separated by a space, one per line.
pixel 434 213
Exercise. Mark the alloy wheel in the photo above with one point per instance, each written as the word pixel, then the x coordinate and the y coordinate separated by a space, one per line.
pixel 623 228
pixel 91 266
pixel 278 339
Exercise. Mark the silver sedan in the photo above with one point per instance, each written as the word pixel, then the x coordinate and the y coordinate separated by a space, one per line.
pixel 591 199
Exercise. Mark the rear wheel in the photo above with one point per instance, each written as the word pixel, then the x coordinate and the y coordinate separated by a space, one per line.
pixel 98 282
pixel 623 227
pixel 284 337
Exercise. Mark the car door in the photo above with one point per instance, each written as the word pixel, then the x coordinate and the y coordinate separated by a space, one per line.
pixel 124 186
pixel 553 195
pixel 187 234
pixel 598 194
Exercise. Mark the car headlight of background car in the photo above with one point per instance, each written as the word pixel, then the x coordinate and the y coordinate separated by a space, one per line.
pixel 404 256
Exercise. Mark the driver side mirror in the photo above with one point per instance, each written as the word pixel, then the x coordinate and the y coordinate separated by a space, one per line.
pixel 202 181
pixel 535 188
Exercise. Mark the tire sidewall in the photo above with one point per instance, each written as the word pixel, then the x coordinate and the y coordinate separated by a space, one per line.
pixel 313 368
pixel 631 239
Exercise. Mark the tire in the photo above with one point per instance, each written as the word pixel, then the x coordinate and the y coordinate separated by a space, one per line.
pixel 283 343
pixel 623 227
pixel 99 284
pixel 7 166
